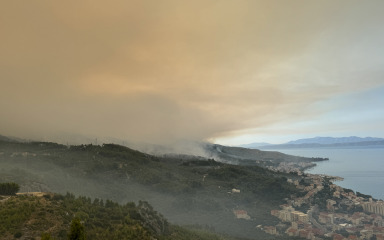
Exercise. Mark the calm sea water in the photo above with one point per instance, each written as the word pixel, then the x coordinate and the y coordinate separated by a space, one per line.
pixel 362 169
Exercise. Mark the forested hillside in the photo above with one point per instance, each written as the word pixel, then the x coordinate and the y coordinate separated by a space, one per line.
pixel 50 215
pixel 194 191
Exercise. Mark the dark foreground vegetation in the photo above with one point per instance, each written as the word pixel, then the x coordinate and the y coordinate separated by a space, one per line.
pixel 54 216
pixel 9 188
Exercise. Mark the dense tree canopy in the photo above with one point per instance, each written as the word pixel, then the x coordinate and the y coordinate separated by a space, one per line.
pixel 9 188
pixel 77 231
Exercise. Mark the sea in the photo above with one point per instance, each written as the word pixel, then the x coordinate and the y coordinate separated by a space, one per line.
pixel 361 168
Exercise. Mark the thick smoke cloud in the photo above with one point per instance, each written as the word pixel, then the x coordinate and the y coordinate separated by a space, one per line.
pixel 159 71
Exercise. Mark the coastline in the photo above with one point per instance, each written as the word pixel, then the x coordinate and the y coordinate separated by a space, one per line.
pixel 327 210
pixel 361 168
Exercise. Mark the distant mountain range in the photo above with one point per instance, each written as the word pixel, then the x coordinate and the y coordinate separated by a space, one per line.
pixel 321 142
pixel 255 145
pixel 331 140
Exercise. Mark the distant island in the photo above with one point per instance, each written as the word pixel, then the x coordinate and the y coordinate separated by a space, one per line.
pixel 322 142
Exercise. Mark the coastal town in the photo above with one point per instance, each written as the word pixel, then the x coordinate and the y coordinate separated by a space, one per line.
pixel 328 211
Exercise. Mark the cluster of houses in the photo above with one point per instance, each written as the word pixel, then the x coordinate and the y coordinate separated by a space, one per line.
pixel 241 214
pixel 288 214
pixel 363 221
pixel 292 167
pixel 359 225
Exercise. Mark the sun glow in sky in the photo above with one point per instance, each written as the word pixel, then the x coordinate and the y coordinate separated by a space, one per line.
pixel 231 72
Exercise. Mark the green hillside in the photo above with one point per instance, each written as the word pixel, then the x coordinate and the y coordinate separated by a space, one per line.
pixel 30 217
pixel 186 192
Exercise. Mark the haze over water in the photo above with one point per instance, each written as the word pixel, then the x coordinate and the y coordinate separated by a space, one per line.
pixel 362 169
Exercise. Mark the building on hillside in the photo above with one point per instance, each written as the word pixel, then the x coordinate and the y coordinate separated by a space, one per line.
pixel 290 215
pixel 270 230
pixel 292 232
pixel 275 213
pixel 374 207
pixel 241 214
pixel 326 218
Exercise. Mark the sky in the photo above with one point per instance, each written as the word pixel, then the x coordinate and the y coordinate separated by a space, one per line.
pixel 230 72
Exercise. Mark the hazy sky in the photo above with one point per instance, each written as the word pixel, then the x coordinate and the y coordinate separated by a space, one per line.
pixel 159 71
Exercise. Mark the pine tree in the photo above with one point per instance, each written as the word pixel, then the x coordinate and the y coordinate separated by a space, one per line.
pixel 77 231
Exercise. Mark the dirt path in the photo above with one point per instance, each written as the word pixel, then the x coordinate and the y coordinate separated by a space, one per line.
pixel 36 194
